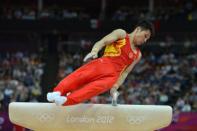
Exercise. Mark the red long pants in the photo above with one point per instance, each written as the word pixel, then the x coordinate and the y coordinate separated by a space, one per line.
pixel 91 79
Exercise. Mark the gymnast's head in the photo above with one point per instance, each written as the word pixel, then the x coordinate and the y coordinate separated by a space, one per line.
pixel 143 31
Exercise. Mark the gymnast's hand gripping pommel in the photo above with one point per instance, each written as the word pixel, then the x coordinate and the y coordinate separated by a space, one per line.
pixel 114 93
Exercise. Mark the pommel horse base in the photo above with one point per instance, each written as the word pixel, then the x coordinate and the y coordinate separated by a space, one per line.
pixel 89 117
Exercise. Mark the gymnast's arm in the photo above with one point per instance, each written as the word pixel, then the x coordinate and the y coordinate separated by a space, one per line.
pixel 123 76
pixel 108 39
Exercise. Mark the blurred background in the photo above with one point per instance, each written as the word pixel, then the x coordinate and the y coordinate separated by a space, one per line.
pixel 42 41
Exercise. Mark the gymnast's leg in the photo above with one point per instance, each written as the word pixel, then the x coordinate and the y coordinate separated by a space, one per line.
pixel 71 83
pixel 88 91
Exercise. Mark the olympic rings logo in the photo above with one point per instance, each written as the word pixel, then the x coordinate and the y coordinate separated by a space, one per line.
pixel 45 117
pixel 136 120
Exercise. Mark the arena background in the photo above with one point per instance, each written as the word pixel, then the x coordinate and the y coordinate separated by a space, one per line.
pixel 42 41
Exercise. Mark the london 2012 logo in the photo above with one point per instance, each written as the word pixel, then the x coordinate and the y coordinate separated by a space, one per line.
pixel 90 119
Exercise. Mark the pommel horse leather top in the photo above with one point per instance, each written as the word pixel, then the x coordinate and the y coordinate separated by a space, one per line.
pixel 89 117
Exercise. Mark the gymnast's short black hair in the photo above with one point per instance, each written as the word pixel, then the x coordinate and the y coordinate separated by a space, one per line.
pixel 146 25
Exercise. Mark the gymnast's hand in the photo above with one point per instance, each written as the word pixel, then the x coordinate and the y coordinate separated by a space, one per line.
pixel 114 93
pixel 91 55
pixel 113 90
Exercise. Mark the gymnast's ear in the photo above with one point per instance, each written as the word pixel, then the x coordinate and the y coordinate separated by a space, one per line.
pixel 137 29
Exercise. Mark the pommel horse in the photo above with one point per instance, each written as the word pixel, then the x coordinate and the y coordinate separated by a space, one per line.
pixel 90 117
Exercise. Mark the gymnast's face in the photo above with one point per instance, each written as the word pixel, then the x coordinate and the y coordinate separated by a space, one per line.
pixel 141 36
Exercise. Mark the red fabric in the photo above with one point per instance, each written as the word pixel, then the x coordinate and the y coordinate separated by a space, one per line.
pixel 126 57
pixel 18 128
pixel 89 80
pixel 97 76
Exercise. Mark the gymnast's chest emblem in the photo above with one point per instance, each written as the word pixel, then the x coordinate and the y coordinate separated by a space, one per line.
pixel 130 55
